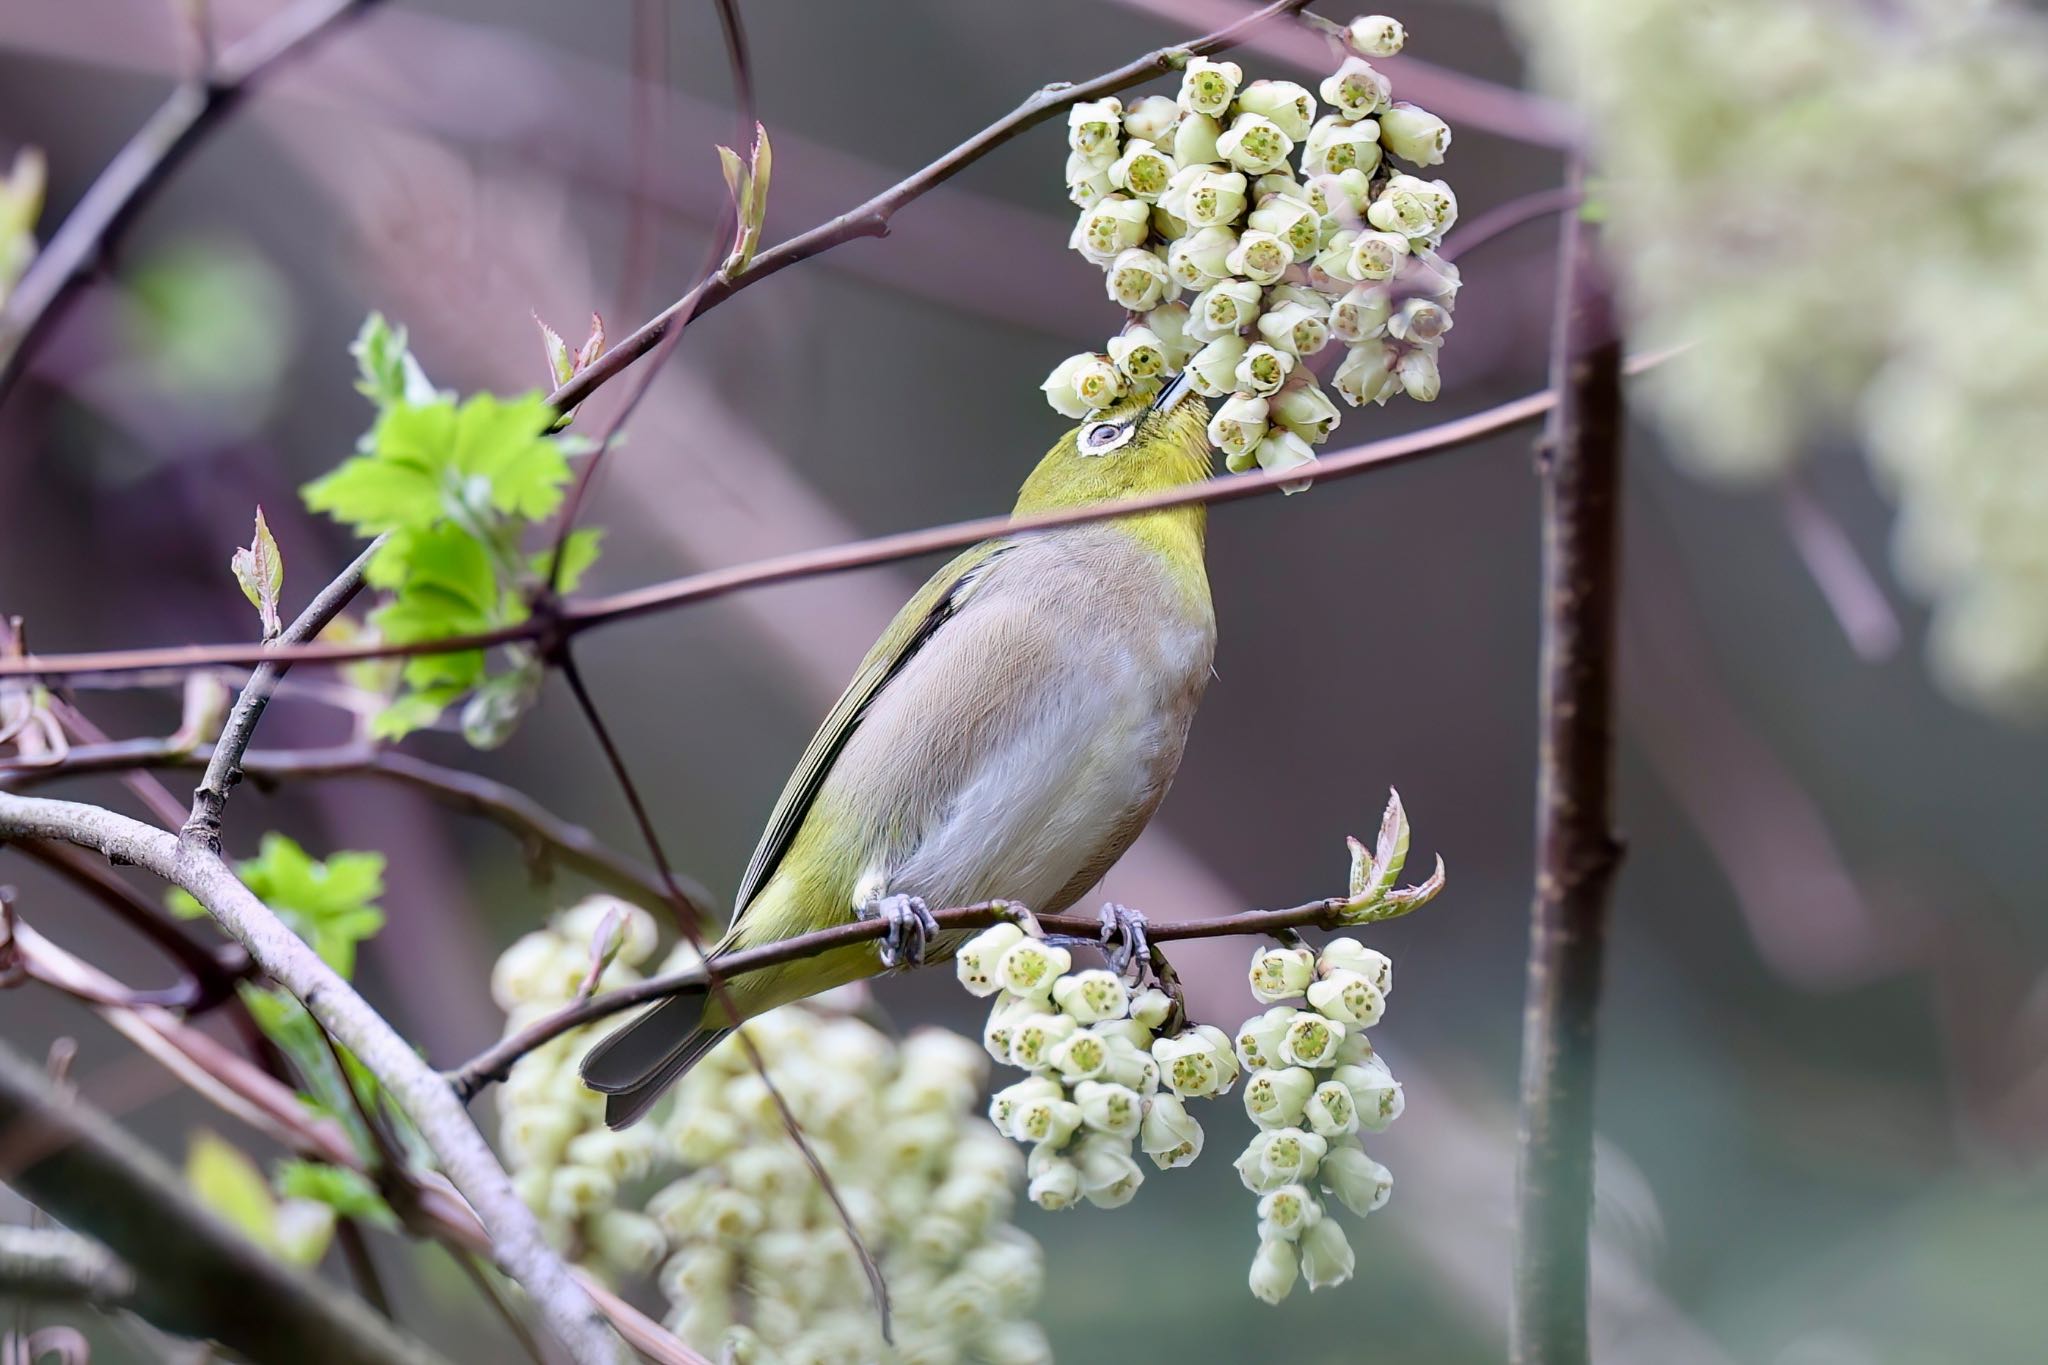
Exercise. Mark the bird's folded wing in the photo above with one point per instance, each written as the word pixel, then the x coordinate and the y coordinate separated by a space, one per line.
pixel 913 628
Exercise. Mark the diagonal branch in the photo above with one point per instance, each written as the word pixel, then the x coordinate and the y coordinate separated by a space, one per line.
pixel 871 219
pixel 210 798
pixel 516 1237
pixel 548 837
pixel 1577 853
pixel 193 1275
pixel 144 166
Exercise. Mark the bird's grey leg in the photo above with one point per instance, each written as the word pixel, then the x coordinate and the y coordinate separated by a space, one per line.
pixel 1124 941
pixel 912 927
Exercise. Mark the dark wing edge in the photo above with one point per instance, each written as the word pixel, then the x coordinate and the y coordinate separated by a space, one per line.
pixel 935 604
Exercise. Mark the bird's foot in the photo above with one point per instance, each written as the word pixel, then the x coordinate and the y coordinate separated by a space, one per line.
pixel 912 927
pixel 1124 940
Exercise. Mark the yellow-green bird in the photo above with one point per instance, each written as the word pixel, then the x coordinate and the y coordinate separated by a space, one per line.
pixel 1008 736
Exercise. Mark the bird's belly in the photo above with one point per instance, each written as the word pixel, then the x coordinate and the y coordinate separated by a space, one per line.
pixel 1060 791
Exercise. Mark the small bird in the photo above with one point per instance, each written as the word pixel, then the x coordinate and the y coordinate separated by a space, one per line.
pixel 1008 736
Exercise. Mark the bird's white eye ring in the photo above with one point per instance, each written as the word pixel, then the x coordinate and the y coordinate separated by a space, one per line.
pixel 1103 437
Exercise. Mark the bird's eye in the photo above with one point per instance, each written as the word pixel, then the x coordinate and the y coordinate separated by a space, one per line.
pixel 1102 434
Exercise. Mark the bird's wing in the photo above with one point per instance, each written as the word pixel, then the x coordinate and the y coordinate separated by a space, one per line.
pixel 913 628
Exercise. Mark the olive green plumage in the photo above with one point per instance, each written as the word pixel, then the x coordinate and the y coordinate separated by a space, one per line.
pixel 1009 735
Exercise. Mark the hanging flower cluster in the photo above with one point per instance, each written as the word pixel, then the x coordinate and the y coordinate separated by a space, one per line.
pixel 1315 1082
pixel 1096 1069
pixel 1109 1069
pixel 1288 228
pixel 712 1198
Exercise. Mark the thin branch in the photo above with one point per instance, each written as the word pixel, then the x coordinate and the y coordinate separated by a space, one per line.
pixel 516 1236
pixel 144 166
pixel 714 978
pixel 494 1062
pixel 52 1265
pixel 1577 853
pixel 871 219
pixel 547 836
pixel 577 617
pixel 1851 590
pixel 1502 219
pixel 210 798
pixel 194 1275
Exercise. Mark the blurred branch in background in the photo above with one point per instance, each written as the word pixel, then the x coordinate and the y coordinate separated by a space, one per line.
pixel 145 164
pixel 52 1265
pixel 1577 853
pixel 193 1275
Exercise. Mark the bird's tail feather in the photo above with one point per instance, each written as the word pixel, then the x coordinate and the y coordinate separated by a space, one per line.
pixel 637 1063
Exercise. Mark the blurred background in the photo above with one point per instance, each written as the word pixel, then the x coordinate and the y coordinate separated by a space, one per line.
pixel 1823 1094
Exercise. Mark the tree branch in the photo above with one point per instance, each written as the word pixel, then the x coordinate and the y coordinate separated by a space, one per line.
pixel 274 1109
pixel 516 1237
pixel 548 837
pixel 144 166
pixel 52 1265
pixel 494 1062
pixel 577 617
pixel 210 798
pixel 871 219
pixel 193 1275
pixel 1576 852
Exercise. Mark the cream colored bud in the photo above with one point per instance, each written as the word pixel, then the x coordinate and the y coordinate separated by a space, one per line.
pixel 1355 90
pixel 1092 996
pixel 1419 320
pixel 1087 181
pixel 1414 134
pixel 1260 257
pixel 1367 374
pixel 1349 955
pixel 1150 119
pixel 1360 1183
pixel 1208 86
pixel 1288 1212
pixel 1143 171
pixel 1275 1268
pixel 1254 144
pixel 975 963
pixel 1301 330
pixel 1289 105
pixel 1214 198
pixel 1281 973
pixel 1276 1099
pixel 1238 426
pixel 1094 126
pixel 1109 226
pixel 1377 255
pixel 1138 353
pixel 1376 35
pixel 1110 1108
pixel 1374 1093
pixel 1109 1177
pixel 1194 140
pixel 1262 370
pixel 1201 258
pixel 1419 377
pixel 1168 1133
pixel 1137 281
pixel 1224 309
pixel 1169 322
pixel 1362 314
pixel 1326 1256
pixel 1291 220
pixel 1334 146
pixel 1214 367
pixel 1056 1186
pixel 1349 998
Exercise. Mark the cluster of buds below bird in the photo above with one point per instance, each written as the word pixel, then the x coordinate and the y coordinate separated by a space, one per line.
pixel 712 1197
pixel 1289 229
pixel 1105 1075
pixel 1315 1082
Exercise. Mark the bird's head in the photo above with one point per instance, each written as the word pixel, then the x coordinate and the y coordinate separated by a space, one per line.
pixel 1142 445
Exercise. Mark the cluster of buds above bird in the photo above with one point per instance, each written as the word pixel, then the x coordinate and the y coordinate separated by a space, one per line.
pixel 1288 227
pixel 1112 1069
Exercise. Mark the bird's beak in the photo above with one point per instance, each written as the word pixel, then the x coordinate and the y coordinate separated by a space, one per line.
pixel 1176 389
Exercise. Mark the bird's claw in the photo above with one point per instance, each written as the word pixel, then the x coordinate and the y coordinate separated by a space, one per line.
pixel 1124 941
pixel 912 927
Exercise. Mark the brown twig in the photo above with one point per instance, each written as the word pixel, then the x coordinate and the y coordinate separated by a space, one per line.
pixel 1502 219
pixel 548 837
pixel 210 798
pixel 577 617
pixel 871 219
pixel 493 1063
pixel 144 166
pixel 1577 853
pixel 1846 583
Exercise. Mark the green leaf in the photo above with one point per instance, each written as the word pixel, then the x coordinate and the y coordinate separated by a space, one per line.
pixel 454 561
pixel 260 571
pixel 501 441
pixel 349 1193
pixel 373 495
pixel 579 552
pixel 389 375
pixel 229 1183
pixel 415 711
pixel 329 904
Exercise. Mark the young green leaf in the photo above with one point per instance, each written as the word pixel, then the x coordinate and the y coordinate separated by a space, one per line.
pixel 349 1193
pixel 579 552
pixel 259 568
pixel 224 1179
